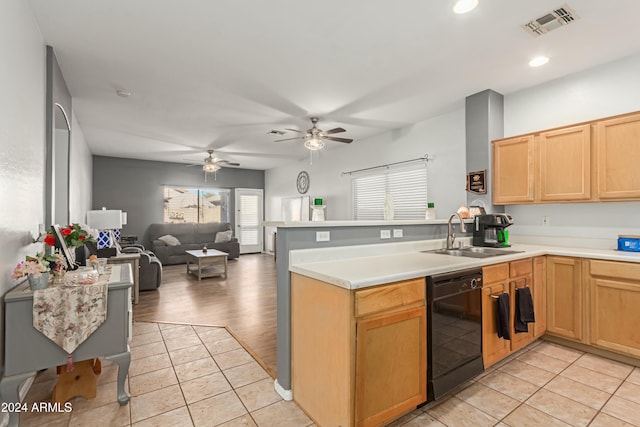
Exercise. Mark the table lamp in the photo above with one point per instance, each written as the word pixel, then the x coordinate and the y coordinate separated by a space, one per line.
pixel 106 221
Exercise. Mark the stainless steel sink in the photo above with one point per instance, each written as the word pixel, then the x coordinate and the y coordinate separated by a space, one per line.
pixel 474 252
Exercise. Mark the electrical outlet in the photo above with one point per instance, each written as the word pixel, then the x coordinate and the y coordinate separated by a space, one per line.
pixel 546 221
pixel 385 234
pixel 323 236
pixel 397 232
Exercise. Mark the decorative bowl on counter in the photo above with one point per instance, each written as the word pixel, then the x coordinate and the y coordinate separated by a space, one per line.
pixel 81 276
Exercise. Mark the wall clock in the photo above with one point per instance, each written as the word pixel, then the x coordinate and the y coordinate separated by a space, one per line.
pixel 302 182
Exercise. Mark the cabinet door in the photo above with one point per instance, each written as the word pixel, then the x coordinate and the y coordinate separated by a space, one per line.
pixel 564 297
pixel 390 366
pixel 618 174
pixel 540 295
pixel 615 298
pixel 520 339
pixel 513 170
pixel 494 348
pixel 565 164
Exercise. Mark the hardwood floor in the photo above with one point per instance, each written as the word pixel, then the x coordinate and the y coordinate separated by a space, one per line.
pixel 245 303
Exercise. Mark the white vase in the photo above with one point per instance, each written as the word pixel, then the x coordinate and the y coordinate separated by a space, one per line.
pixel 388 207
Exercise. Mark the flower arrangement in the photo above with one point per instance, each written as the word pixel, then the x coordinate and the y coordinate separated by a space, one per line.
pixel 34 266
pixel 75 235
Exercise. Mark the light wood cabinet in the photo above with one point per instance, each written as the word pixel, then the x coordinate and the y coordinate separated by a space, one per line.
pixel 615 298
pixel 498 279
pixel 565 297
pixel 618 156
pixel 564 164
pixel 592 161
pixel 358 357
pixel 540 295
pixel 520 275
pixel 513 173
pixel 495 282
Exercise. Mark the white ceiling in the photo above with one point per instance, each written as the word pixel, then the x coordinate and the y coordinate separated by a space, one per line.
pixel 221 74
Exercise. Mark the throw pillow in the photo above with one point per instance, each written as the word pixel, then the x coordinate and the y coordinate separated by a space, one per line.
pixel 169 240
pixel 223 236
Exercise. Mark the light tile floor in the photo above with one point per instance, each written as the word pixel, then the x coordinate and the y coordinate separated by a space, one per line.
pixel 185 375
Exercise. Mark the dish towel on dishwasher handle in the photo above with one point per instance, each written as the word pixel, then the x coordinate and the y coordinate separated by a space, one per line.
pixel 524 310
pixel 502 314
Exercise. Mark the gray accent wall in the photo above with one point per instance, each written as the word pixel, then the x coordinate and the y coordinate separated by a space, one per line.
pixel 484 122
pixel 136 187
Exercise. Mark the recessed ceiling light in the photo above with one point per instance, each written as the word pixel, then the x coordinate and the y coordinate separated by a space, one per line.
pixel 464 6
pixel 123 93
pixel 538 61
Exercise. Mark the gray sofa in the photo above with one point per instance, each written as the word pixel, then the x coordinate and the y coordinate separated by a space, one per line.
pixel 191 236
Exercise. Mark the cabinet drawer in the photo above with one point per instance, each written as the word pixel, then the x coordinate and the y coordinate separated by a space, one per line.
pixel 520 268
pixel 620 270
pixel 495 273
pixel 387 297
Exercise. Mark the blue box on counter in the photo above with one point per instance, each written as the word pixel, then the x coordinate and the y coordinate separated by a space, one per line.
pixel 629 243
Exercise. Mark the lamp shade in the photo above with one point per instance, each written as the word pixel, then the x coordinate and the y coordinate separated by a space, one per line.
pixel 105 219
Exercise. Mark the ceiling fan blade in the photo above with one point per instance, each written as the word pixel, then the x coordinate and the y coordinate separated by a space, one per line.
pixel 333 138
pixel 193 165
pixel 227 162
pixel 334 130
pixel 293 130
pixel 289 139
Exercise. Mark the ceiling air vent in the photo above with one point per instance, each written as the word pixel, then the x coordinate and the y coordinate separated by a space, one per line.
pixel 563 15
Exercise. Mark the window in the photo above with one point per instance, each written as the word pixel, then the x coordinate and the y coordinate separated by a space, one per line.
pixel 408 187
pixel 195 204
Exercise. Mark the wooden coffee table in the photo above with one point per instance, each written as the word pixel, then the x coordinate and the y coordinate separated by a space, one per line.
pixel 207 264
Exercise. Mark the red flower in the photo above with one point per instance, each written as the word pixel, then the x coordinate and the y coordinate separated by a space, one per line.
pixel 50 240
pixel 81 237
pixel 66 231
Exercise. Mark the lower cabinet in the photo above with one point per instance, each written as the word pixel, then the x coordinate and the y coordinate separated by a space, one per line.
pixel 390 366
pixel 615 303
pixel 507 278
pixel 494 348
pixel 565 298
pixel 358 357
pixel 540 295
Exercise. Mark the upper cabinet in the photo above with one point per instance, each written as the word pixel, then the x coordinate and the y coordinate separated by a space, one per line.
pixel 564 164
pixel 618 143
pixel 513 170
pixel 595 161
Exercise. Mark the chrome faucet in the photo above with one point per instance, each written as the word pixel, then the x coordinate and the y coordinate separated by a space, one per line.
pixel 451 235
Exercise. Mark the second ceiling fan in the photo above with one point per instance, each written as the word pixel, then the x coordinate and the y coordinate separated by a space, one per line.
pixel 314 138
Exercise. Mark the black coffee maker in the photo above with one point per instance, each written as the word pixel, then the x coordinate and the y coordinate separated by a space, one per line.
pixel 489 230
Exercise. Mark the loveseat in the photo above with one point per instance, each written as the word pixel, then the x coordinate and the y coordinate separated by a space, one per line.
pixel 190 236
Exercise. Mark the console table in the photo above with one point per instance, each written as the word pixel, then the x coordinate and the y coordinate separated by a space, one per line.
pixel 27 351
pixel 134 260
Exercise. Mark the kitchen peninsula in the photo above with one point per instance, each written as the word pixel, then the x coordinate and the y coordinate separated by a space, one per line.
pixel 582 287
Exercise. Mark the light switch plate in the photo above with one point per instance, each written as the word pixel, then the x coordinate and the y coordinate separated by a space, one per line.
pixel 397 232
pixel 385 234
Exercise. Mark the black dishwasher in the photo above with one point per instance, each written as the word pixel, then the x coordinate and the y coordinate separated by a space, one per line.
pixel 454 330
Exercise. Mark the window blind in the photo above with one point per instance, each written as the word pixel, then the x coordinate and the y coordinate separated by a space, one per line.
pixel 408 188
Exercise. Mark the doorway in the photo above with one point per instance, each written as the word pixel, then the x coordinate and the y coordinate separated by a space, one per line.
pixel 248 219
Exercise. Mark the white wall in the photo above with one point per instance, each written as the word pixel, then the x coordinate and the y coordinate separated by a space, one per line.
pixel 22 135
pixel 441 137
pixel 80 174
pixel 603 91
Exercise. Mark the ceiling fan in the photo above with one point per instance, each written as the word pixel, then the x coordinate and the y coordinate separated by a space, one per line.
pixel 213 164
pixel 314 138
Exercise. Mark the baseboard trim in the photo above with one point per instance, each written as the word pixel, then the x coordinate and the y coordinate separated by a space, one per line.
pixel 285 394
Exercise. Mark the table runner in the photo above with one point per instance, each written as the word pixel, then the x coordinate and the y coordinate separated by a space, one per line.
pixel 68 315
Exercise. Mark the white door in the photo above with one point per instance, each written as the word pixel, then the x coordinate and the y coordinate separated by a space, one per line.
pixel 249 213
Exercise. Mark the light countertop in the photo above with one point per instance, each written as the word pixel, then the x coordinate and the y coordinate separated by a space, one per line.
pixel 355 267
